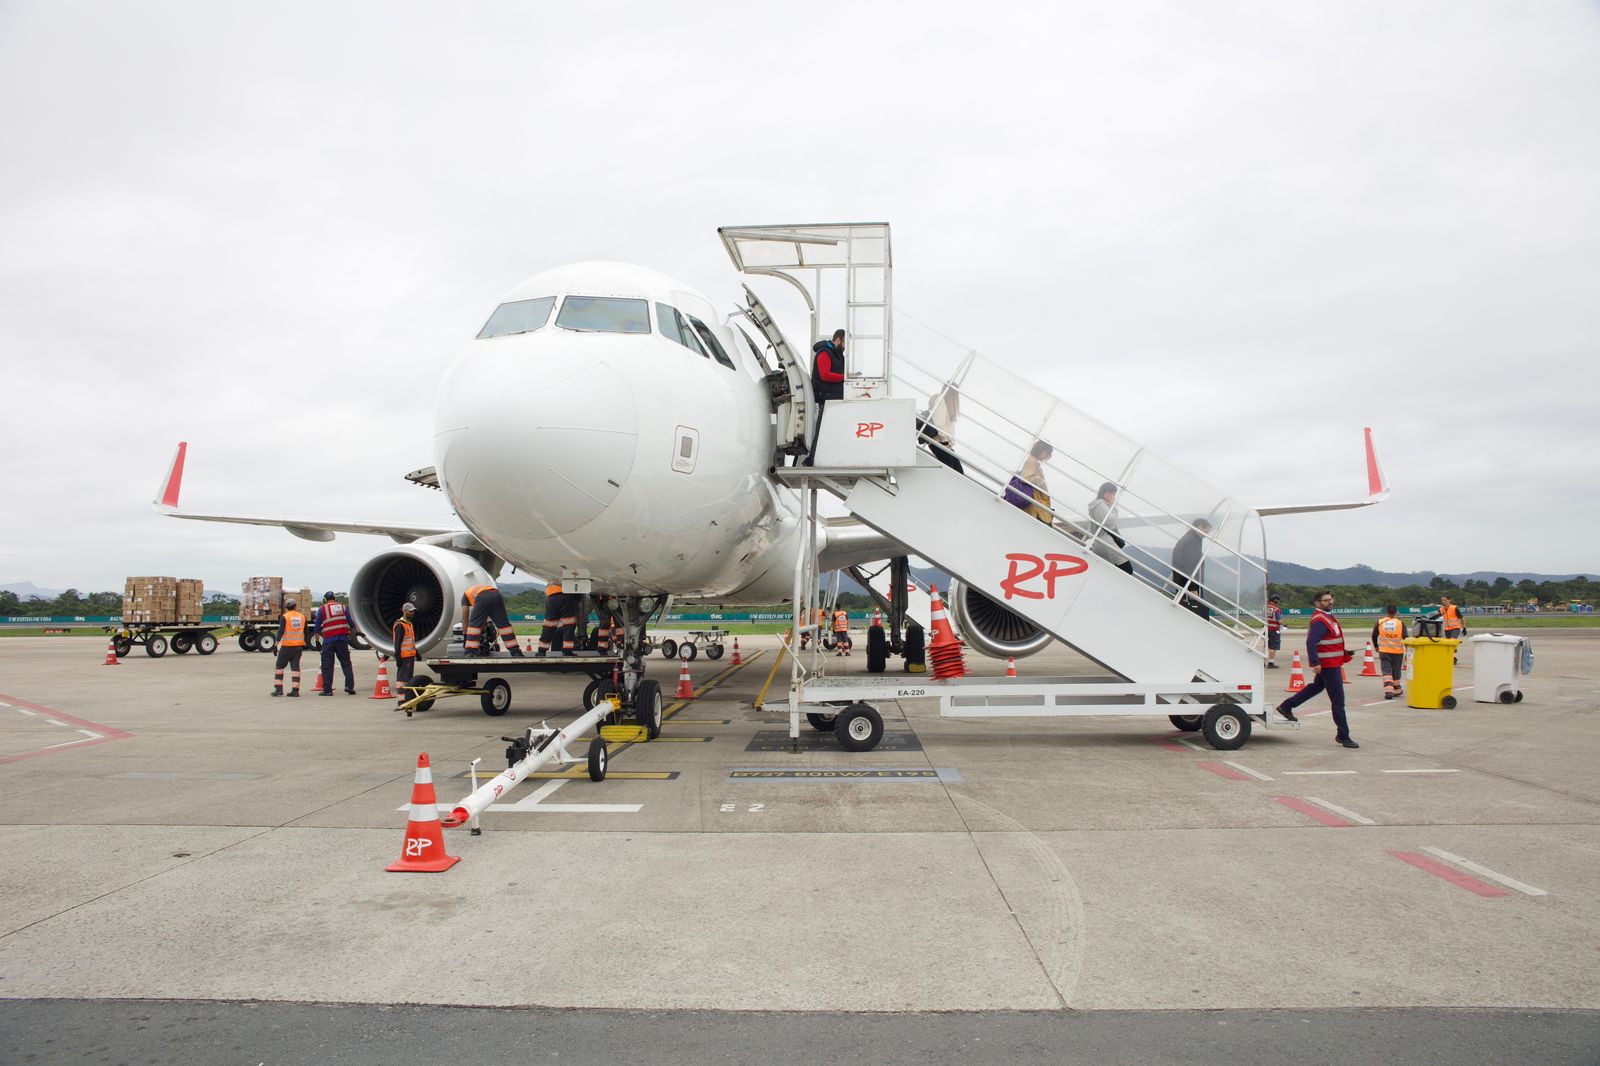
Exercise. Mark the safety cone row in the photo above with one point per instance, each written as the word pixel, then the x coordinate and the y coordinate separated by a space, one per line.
pixel 111 653
pixel 945 649
pixel 1369 665
pixel 1297 675
pixel 685 685
pixel 380 686
pixel 423 850
pixel 1011 666
pixel 735 661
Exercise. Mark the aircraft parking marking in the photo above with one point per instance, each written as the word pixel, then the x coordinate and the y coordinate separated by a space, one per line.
pixel 1186 742
pixel 1484 871
pixel 1257 774
pixel 1166 742
pixel 1421 771
pixel 534 804
pixel 1221 770
pixel 93 732
pixel 1319 814
pixel 1310 773
pixel 1343 812
pixel 1455 877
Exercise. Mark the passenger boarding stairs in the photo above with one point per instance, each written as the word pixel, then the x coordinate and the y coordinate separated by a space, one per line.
pixel 1062 574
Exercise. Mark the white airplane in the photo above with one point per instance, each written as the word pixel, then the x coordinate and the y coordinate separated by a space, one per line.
pixel 608 429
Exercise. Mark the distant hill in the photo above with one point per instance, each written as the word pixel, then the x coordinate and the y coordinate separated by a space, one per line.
pixel 1295 574
pixel 27 590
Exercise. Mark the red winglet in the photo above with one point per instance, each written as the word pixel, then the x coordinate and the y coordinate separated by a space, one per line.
pixel 1374 475
pixel 169 491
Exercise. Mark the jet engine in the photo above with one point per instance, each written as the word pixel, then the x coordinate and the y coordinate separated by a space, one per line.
pixel 990 628
pixel 431 577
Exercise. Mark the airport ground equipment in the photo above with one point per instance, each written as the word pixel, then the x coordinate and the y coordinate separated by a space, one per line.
pixel 1018 580
pixel 541 745
pixel 685 643
pixel 458 676
pixel 157 639
pixel 1499 661
pixel 263 636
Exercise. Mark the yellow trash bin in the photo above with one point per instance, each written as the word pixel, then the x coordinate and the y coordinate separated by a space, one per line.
pixel 1432 672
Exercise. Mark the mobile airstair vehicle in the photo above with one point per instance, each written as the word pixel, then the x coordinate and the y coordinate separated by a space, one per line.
pixel 1195 656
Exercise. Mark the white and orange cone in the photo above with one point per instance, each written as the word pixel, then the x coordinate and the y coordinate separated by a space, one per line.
pixel 735 661
pixel 877 618
pixel 111 653
pixel 423 851
pixel 685 685
pixel 380 686
pixel 1011 666
pixel 1297 676
pixel 1369 665
pixel 944 649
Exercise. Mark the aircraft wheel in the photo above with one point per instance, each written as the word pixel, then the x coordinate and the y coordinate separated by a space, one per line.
pixel 669 649
pixel 250 640
pixel 314 642
pixel 1189 723
pixel 714 651
pixel 1448 703
pixel 822 723
pixel 1226 728
pixel 181 643
pixel 687 651
pixel 916 647
pixel 267 642
pixel 877 650
pixel 647 707
pixel 592 694
pixel 496 699
pixel 122 646
pixel 359 642
pixel 205 644
pixel 155 645
pixel 859 728
pixel 597 760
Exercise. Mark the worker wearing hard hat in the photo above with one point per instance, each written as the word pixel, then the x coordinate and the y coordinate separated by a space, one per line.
pixel 486 606
pixel 332 623
pixel 291 642
pixel 404 636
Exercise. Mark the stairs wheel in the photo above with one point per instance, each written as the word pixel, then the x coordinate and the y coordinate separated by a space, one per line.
pixel 1189 723
pixel 1226 727
pixel 859 728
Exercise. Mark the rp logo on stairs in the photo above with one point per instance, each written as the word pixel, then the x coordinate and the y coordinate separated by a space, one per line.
pixel 1051 568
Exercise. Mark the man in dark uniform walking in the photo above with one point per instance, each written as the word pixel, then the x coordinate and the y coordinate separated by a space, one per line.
pixel 1327 654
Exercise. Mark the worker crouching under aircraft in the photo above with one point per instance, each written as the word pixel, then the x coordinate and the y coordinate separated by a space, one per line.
pixel 487 607
pixel 560 621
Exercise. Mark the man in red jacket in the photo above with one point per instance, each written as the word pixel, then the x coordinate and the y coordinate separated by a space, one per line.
pixel 827 375
pixel 1327 654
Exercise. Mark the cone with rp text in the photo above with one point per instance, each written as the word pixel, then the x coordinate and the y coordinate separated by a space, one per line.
pixel 1297 676
pixel 380 686
pixel 945 649
pixel 423 851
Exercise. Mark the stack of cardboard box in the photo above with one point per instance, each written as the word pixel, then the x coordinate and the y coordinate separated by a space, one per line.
pixel 163 600
pixel 261 599
pixel 303 601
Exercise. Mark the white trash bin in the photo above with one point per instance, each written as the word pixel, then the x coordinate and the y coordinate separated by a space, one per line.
pixel 1497 667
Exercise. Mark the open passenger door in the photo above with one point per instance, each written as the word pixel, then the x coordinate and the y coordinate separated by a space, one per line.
pixel 792 398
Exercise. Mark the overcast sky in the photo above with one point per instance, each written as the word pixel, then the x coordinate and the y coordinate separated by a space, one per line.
pixel 1236 231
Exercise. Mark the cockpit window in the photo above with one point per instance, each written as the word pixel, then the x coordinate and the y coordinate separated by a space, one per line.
pixel 518 316
pixel 605 314
pixel 675 326
pixel 711 342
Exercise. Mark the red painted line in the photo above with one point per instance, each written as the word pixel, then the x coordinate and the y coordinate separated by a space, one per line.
pixel 108 733
pixel 1166 742
pixel 1455 877
pixel 1312 811
pixel 1223 771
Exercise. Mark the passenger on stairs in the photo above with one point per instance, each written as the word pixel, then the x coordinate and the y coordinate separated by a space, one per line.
pixel 935 428
pixel 1108 542
pixel 1189 569
pixel 1028 489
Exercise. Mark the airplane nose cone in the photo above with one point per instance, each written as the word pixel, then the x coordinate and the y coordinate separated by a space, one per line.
pixel 534 440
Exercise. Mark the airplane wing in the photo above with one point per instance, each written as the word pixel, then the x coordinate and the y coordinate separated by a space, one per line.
pixel 166 502
pixel 1377 490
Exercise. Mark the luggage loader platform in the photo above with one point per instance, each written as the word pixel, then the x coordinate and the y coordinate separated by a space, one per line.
pixel 458 676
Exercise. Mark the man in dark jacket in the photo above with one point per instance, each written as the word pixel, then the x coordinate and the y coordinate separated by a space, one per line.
pixel 827 375
pixel 1188 567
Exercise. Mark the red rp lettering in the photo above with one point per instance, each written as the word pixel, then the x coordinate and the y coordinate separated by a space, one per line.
pixel 868 429
pixel 1052 568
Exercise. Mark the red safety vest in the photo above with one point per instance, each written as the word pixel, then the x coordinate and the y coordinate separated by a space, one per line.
pixel 335 620
pixel 406 647
pixel 1331 653
pixel 294 630
pixel 1391 636
pixel 1274 619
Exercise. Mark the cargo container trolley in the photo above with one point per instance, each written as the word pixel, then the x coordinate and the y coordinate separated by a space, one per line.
pixel 157 638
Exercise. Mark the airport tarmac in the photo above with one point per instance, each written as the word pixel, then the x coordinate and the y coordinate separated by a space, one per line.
pixel 174 833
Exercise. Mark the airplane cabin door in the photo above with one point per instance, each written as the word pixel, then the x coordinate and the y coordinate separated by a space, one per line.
pixel 797 429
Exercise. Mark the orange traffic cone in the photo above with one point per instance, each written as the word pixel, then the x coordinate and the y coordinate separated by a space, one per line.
pixel 423 851
pixel 1342 675
pixel 1369 665
pixel 945 649
pixel 380 686
pixel 877 618
pixel 318 686
pixel 735 661
pixel 1011 666
pixel 1297 675
pixel 1405 665
pixel 685 686
pixel 111 653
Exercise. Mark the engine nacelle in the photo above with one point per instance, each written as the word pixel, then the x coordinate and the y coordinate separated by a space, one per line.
pixel 992 629
pixel 433 578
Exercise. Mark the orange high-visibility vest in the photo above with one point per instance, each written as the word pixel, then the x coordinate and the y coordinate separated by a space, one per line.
pixel 841 622
pixel 553 589
pixel 1391 636
pixel 407 648
pixel 469 597
pixel 1452 618
pixel 294 630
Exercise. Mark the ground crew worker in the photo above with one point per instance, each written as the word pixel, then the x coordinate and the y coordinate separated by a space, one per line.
pixel 1451 614
pixel 1274 631
pixel 608 633
pixel 484 605
pixel 291 642
pixel 841 632
pixel 560 621
pixel 827 374
pixel 404 637
pixel 1390 637
pixel 332 622
pixel 1327 655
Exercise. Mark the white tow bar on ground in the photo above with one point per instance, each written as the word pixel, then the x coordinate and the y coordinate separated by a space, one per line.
pixel 546 745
